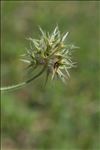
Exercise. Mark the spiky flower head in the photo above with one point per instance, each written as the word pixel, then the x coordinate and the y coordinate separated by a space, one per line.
pixel 51 52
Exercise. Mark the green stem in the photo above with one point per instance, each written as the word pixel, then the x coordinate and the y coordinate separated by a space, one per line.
pixel 23 83
pixel 13 87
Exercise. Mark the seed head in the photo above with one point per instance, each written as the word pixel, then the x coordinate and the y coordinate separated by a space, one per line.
pixel 51 52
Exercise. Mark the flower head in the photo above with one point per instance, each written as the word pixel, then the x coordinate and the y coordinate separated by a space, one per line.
pixel 51 52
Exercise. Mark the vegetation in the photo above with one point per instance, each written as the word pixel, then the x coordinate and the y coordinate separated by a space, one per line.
pixel 58 116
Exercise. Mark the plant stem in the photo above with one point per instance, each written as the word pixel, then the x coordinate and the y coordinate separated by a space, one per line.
pixel 23 83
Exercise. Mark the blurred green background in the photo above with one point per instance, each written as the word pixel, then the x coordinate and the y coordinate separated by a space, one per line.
pixel 56 117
